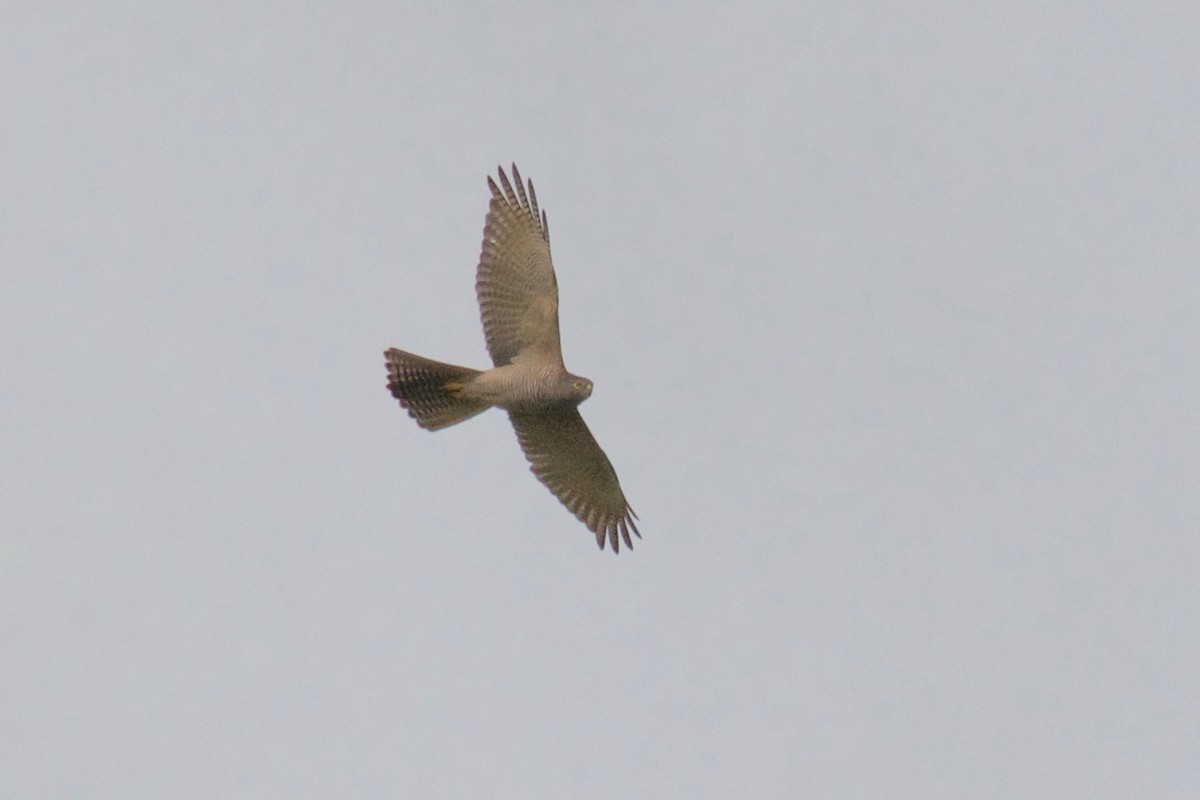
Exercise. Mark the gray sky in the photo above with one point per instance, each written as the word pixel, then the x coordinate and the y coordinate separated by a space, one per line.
pixel 893 320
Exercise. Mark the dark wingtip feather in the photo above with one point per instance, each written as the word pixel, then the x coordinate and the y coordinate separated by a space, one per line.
pixel 508 190
pixel 616 530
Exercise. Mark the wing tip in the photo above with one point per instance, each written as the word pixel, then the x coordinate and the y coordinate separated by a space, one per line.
pixel 520 198
pixel 612 532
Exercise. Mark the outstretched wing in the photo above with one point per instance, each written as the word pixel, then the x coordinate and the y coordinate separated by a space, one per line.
pixel 518 295
pixel 565 456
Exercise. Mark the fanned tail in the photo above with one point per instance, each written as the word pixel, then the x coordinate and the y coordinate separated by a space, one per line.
pixel 430 390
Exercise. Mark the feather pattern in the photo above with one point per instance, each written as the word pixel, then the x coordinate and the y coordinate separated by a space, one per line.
pixel 564 456
pixel 431 391
pixel 515 283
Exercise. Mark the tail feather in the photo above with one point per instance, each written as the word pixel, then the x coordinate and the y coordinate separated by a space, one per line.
pixel 431 391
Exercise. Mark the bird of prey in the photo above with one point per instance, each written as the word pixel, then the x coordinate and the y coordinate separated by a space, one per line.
pixel 518 303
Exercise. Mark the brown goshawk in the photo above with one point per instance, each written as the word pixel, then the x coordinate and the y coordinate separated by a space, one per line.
pixel 518 303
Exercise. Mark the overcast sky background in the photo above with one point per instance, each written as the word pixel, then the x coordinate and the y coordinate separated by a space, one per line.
pixel 893 320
